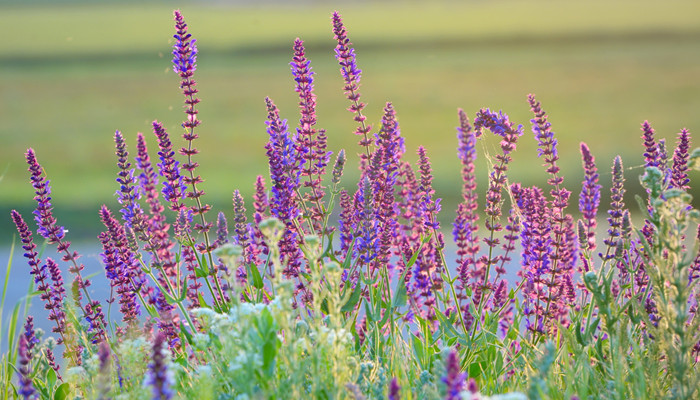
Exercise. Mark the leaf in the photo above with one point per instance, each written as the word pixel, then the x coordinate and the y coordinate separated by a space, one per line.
pixel 352 301
pixel 400 296
pixel 62 392
pixel 324 306
pixel 50 378
pixel 257 279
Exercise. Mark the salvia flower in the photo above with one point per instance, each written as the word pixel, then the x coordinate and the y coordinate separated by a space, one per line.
pixel 454 377
pixel 128 193
pixel 159 375
pixel 26 387
pixel 679 171
pixel 589 200
pixel 547 144
pixel 345 54
pixel 651 149
pixel 44 212
pixel 173 186
pixel 394 390
pixel 617 207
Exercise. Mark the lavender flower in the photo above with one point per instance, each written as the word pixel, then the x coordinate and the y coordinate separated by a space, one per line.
pixel 454 377
pixel 679 171
pixel 345 55
pixel 159 376
pixel 589 200
pixel 547 145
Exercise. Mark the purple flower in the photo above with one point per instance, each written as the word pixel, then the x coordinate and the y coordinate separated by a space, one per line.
pixel 43 214
pixel 345 55
pixel 159 377
pixel 121 266
pixel 173 186
pixel 547 145
pixel 454 377
pixel 284 172
pixel 366 245
pixel 128 192
pixel 617 208
pixel 651 152
pixel 589 200
pixel 26 387
pixel 679 171
pixel 394 390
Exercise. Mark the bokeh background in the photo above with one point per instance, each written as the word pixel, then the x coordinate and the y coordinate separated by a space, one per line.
pixel 71 73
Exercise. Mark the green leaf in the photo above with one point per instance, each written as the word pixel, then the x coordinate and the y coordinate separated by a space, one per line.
pixel 62 392
pixel 352 301
pixel 324 306
pixel 50 378
pixel 257 279
pixel 185 334
pixel 400 296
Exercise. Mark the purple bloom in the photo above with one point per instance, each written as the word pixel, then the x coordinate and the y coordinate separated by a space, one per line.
pixel 173 186
pixel 43 214
pixel 589 200
pixel 366 245
pixel 679 171
pixel 284 172
pixel 547 145
pixel 345 55
pixel 193 285
pixel 311 144
pixel 394 390
pixel 651 152
pixel 158 376
pixel 454 377
pixel 121 266
pixel 617 206
pixel 26 387
pixel 128 192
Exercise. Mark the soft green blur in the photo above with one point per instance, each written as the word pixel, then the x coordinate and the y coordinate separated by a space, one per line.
pixel 73 74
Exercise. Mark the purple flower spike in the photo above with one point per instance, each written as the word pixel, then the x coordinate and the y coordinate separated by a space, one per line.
pixel 679 171
pixel 173 186
pixel 454 377
pixel 26 387
pixel 43 213
pixel 547 145
pixel 651 149
pixel 345 55
pixel 589 200
pixel 617 208
pixel 128 192
pixel 158 376
pixel 394 390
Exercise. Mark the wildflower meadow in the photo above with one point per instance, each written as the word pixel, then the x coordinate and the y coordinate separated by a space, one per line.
pixel 325 288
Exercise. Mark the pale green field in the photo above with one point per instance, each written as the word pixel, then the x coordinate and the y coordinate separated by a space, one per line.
pixel 71 75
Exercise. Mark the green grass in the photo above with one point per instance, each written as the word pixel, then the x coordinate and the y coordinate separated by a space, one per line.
pixel 74 74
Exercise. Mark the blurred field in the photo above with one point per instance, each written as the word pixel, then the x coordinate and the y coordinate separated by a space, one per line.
pixel 71 75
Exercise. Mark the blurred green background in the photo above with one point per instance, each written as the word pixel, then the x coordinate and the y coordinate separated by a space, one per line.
pixel 71 73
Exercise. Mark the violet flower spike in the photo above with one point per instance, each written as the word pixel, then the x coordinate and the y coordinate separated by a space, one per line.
pixel 173 186
pixel 651 149
pixel 26 387
pixel 454 377
pixel 159 376
pixel 128 193
pixel 679 170
pixel 345 54
pixel 617 208
pixel 589 200
pixel 43 214
pixel 394 390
